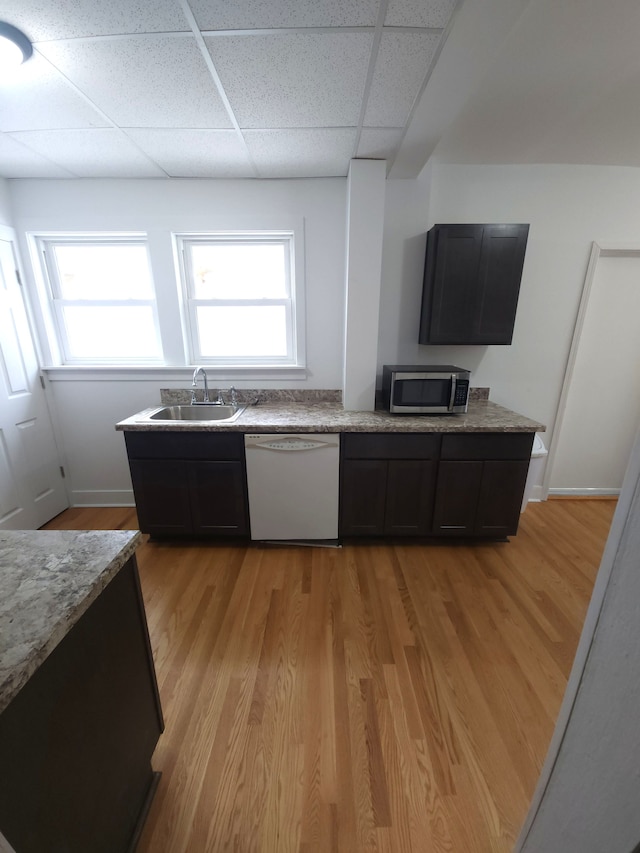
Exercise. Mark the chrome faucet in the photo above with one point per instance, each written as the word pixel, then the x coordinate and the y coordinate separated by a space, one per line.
pixel 194 385
pixel 233 396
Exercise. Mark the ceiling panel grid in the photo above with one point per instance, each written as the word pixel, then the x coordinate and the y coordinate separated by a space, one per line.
pixel 207 88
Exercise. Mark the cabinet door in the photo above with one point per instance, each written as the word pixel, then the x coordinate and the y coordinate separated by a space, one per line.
pixel 410 488
pixel 500 497
pixel 457 497
pixel 218 498
pixel 363 497
pixel 162 496
pixel 450 276
pixel 498 284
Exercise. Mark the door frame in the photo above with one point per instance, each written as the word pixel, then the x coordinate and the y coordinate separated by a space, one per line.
pixel 598 250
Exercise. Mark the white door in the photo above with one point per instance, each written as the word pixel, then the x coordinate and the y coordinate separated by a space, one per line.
pixel 602 400
pixel 31 485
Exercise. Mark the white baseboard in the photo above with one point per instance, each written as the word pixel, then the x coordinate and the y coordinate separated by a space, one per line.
pixel 591 493
pixel 107 497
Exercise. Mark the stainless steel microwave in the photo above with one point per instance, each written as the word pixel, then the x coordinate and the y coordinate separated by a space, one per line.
pixel 425 388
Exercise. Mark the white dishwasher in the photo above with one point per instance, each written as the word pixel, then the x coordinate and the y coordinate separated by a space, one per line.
pixel 293 483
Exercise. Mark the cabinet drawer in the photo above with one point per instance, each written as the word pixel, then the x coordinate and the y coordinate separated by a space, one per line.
pixel 390 446
pixel 185 445
pixel 487 446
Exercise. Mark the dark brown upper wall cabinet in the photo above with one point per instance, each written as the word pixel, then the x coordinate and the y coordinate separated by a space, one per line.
pixel 471 283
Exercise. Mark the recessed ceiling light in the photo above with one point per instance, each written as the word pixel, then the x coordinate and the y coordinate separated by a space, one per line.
pixel 15 47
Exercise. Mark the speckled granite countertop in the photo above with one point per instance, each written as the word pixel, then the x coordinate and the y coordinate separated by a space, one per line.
pixel 48 579
pixel 482 416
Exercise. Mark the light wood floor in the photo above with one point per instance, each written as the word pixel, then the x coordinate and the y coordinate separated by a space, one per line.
pixel 387 698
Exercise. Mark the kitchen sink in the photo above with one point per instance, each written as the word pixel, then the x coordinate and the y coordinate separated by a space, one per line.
pixel 201 412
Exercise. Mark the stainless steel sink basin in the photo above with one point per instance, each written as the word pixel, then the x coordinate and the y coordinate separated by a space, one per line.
pixel 198 413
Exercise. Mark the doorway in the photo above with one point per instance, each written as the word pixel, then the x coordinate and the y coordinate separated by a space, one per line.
pixel 599 411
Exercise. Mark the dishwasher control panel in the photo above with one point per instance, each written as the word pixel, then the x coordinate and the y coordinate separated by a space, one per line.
pixel 291 442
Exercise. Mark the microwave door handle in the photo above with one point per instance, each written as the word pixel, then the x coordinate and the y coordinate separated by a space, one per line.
pixel 454 383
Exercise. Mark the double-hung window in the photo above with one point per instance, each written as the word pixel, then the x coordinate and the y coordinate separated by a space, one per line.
pixel 229 302
pixel 239 293
pixel 102 299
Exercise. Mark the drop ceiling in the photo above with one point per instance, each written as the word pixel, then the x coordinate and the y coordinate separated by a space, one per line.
pixel 297 88
pixel 209 88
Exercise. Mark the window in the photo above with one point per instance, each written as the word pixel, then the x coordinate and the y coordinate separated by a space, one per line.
pixel 239 296
pixel 102 299
pixel 229 301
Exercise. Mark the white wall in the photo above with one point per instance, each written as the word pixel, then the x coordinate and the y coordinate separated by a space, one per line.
pixel 405 227
pixel 87 408
pixel 365 229
pixel 6 217
pixel 567 207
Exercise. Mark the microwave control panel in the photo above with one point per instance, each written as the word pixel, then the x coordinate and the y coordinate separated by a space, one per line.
pixel 462 392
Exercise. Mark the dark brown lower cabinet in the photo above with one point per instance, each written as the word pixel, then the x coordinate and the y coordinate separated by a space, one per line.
pixel 457 497
pixel 218 498
pixel 391 484
pixel 161 489
pixel 500 498
pixel 363 497
pixel 387 484
pixel 479 498
pixel 458 484
pixel 76 741
pixel 410 487
pixel 481 480
pixel 189 484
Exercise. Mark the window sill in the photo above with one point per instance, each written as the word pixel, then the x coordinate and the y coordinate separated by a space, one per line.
pixel 136 373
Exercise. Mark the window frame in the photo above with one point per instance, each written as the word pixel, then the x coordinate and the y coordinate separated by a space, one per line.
pixel 170 306
pixel 292 302
pixel 52 291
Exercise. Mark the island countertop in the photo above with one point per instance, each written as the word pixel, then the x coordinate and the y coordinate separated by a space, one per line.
pixel 482 416
pixel 48 579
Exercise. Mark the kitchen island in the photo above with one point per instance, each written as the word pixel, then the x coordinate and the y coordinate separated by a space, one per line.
pixel 459 475
pixel 80 713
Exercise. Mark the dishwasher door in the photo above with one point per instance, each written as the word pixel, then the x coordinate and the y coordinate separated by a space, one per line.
pixel 293 483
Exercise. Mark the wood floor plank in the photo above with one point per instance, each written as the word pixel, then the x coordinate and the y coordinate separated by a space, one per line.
pixel 352 765
pixel 423 803
pixel 376 698
pixel 319 781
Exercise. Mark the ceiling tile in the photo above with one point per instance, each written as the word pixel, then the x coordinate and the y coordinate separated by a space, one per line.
pixel 101 153
pixel 401 66
pixel 44 21
pixel 143 81
pixel 419 13
pixel 309 152
pixel 17 161
pixel 266 14
pixel 39 97
pixel 293 80
pixel 195 153
pixel 379 143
